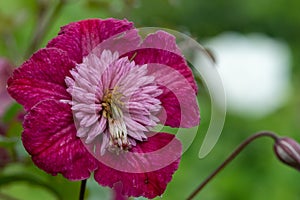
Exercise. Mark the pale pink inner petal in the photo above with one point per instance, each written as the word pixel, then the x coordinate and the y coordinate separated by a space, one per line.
pixel 114 101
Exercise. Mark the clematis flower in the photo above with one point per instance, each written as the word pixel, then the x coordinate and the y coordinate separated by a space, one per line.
pixel 95 96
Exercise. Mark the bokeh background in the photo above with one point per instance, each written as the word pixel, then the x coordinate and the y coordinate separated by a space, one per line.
pixel 256 47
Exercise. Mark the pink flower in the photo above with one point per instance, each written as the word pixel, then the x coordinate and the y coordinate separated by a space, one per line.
pixel 94 96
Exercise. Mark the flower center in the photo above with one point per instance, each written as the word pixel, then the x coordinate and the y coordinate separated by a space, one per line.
pixel 117 128
pixel 114 101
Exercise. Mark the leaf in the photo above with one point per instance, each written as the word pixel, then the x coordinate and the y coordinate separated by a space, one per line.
pixel 13 111
pixel 8 179
pixel 7 142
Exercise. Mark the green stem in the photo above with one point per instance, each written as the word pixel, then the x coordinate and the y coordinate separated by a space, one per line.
pixel 82 189
pixel 230 158
pixel 6 197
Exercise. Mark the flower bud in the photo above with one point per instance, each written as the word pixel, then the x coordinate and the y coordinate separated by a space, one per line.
pixel 288 151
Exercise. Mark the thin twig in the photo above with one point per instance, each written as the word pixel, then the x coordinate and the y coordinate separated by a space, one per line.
pixel 11 46
pixel 43 25
pixel 230 158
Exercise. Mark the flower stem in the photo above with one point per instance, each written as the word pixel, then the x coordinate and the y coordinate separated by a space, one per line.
pixel 6 197
pixel 230 158
pixel 82 189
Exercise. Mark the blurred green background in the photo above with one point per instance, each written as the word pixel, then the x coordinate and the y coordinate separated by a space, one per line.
pixel 254 175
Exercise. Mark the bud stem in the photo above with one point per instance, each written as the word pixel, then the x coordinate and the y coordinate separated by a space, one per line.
pixel 231 157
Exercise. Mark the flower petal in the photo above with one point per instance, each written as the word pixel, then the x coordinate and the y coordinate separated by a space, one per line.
pixel 50 138
pixel 78 39
pixel 160 47
pixel 178 99
pixel 148 183
pixel 174 76
pixel 161 40
pixel 117 192
pixel 41 77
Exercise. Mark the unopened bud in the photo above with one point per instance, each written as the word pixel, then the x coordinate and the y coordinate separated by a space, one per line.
pixel 288 151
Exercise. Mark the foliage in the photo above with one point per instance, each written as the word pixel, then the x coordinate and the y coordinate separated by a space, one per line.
pixel 256 174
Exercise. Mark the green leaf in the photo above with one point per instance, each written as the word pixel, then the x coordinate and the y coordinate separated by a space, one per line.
pixel 9 179
pixel 12 112
pixel 7 142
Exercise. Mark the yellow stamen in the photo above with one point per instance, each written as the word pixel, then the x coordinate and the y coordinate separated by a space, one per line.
pixel 111 105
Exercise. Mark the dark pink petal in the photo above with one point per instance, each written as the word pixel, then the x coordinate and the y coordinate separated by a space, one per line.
pixel 117 192
pixel 179 95
pixel 161 40
pixel 167 58
pixel 178 99
pixel 122 43
pixel 50 138
pixel 41 77
pixel 160 47
pixel 147 183
pixel 167 64
pixel 80 38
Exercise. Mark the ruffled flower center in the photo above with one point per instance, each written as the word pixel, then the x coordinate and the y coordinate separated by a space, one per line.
pixel 112 110
pixel 114 101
